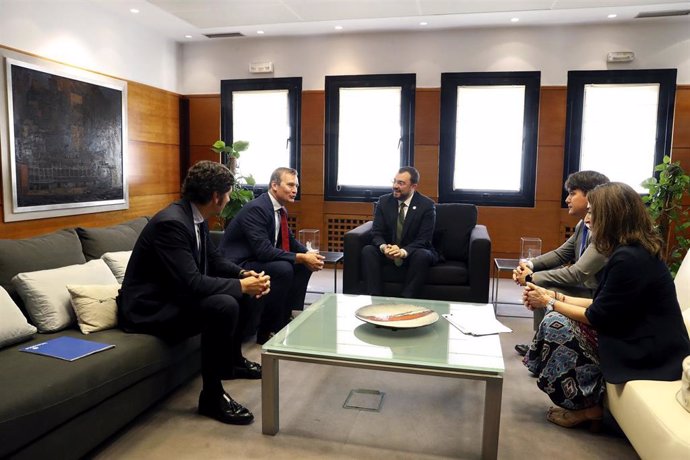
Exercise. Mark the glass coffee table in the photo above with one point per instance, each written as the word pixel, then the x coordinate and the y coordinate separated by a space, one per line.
pixel 329 333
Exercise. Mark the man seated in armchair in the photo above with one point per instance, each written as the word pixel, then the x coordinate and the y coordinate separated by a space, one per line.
pixel 401 236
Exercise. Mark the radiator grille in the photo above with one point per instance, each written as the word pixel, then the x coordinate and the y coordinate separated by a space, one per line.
pixel 292 223
pixel 567 232
pixel 338 226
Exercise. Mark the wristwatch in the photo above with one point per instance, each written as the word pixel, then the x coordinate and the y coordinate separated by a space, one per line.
pixel 549 304
pixel 528 278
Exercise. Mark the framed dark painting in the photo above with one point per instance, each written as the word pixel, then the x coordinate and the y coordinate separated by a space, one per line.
pixel 66 142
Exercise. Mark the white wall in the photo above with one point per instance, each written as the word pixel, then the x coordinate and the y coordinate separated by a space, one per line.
pixel 553 50
pixel 79 33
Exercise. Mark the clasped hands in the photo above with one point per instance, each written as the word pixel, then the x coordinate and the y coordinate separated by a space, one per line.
pixel 312 259
pixel 535 297
pixel 520 272
pixel 255 284
pixel 393 251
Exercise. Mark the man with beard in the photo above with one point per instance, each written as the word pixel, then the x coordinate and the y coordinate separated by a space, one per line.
pixel 401 236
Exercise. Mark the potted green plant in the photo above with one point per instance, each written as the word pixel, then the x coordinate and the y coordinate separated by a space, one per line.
pixel 665 206
pixel 242 193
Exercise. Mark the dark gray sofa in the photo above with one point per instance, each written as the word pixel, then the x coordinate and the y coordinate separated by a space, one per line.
pixel 464 248
pixel 51 408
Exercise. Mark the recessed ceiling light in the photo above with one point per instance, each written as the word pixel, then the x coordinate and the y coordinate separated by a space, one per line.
pixel 133 10
pixel 611 16
pixel 260 32
pixel 514 19
pixel 187 36
pixel 423 23
pixel 338 27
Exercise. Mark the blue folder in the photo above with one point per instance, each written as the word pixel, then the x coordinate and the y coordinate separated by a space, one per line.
pixel 67 348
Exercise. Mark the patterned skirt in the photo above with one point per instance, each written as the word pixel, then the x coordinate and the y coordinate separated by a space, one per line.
pixel 564 357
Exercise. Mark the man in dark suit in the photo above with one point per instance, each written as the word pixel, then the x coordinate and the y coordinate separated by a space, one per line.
pixel 178 285
pixel 401 236
pixel 259 239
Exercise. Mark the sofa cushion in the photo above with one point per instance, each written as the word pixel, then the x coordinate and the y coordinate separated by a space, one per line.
pixel 94 306
pixel 47 392
pixel 45 293
pixel 117 261
pixel 13 325
pixel 122 237
pixel 44 252
pixel 647 411
pixel 451 272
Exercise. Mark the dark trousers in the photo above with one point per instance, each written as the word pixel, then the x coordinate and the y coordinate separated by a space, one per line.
pixel 288 289
pixel 220 319
pixel 415 267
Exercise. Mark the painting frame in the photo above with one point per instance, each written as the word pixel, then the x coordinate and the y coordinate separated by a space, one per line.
pixel 64 140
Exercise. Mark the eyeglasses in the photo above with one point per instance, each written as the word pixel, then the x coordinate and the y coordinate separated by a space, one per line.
pixel 399 183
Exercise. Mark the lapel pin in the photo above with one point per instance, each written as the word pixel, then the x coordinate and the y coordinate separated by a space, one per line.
pixel 414 207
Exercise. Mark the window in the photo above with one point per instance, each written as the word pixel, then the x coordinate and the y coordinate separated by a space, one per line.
pixel 369 134
pixel 488 148
pixel 619 117
pixel 266 113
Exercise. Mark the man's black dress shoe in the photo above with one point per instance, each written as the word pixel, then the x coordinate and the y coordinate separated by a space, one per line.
pixel 522 348
pixel 247 370
pixel 224 409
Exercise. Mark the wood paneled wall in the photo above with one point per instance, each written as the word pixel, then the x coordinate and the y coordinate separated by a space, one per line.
pixel 153 169
pixel 546 219
pixel 154 164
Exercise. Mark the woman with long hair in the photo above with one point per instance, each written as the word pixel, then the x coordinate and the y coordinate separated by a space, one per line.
pixel 631 330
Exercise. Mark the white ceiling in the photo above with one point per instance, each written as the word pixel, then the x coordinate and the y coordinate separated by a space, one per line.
pixel 197 18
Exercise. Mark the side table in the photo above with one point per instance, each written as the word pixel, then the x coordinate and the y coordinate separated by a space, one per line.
pixel 499 266
pixel 335 258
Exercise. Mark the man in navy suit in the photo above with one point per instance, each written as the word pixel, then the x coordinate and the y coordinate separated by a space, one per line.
pixel 178 285
pixel 258 238
pixel 401 236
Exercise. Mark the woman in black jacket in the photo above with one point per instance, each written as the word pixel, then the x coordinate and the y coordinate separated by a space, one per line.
pixel 632 329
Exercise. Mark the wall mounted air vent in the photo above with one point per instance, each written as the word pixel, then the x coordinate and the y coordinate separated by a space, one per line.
pixel 662 14
pixel 225 35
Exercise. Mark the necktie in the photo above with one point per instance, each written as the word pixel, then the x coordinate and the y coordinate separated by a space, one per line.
pixel 400 223
pixel 198 238
pixel 284 234
pixel 583 243
pixel 398 230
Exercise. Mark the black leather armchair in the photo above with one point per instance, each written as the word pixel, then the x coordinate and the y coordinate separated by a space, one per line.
pixel 464 247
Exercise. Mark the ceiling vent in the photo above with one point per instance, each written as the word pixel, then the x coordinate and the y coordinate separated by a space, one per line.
pixel 662 14
pixel 225 35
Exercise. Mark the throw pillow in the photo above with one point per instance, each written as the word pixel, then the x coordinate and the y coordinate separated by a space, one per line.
pixel 46 297
pixel 683 395
pixel 13 325
pixel 95 306
pixel 117 261
pixel 97 241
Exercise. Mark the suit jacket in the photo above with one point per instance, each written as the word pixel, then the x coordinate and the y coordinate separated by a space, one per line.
pixel 418 229
pixel 568 271
pixel 638 320
pixel 252 232
pixel 166 273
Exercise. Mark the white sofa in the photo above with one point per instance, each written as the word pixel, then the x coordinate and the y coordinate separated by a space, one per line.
pixel 656 425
